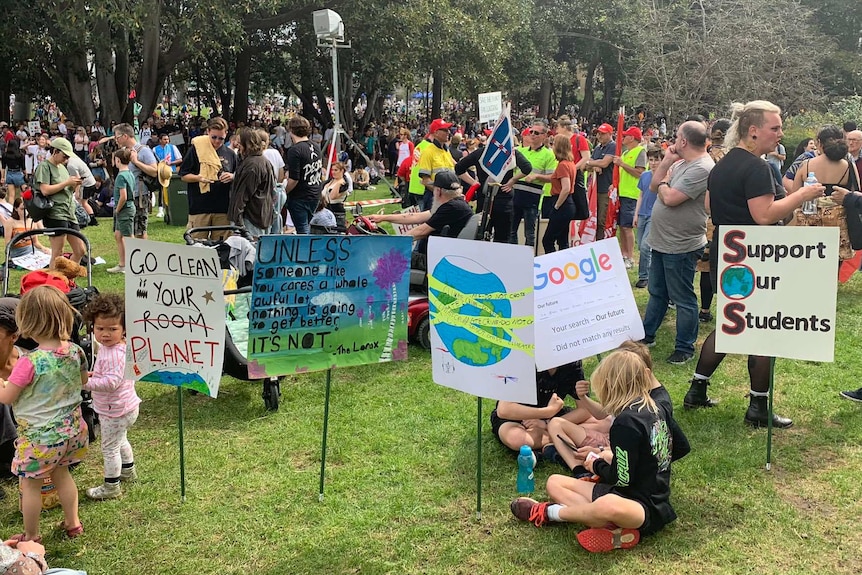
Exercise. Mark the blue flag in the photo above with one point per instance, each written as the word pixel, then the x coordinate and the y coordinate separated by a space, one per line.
pixel 499 154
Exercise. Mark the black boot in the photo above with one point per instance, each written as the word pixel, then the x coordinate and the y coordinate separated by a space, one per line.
pixel 696 396
pixel 758 414
pixel 93 221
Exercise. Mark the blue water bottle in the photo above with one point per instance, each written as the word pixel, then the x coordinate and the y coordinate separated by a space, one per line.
pixel 526 463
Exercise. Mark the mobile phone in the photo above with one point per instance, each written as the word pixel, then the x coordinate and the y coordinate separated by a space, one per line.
pixel 829 189
pixel 592 455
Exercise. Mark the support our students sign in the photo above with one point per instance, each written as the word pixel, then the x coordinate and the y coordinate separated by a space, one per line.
pixel 777 291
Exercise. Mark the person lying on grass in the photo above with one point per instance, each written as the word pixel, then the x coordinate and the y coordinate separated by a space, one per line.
pixel 632 498
pixel 516 424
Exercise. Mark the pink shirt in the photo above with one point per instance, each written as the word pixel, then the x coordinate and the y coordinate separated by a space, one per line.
pixel 113 394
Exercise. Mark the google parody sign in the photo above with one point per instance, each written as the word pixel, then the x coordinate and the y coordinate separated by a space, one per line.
pixel 584 303
pixel 777 291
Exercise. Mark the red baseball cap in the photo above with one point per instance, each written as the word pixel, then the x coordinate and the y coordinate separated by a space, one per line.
pixel 605 129
pixel 487 132
pixel 526 132
pixel 439 124
pixel 635 133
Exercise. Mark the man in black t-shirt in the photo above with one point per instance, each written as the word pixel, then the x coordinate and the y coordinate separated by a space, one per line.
pixel 304 175
pixel 449 211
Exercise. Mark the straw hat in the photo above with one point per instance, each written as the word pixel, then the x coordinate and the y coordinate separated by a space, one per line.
pixel 164 174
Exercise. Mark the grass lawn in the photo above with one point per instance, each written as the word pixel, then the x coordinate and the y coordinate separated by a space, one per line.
pixel 401 477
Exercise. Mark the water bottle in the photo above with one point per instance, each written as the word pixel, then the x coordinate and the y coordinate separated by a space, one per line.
pixel 809 207
pixel 526 463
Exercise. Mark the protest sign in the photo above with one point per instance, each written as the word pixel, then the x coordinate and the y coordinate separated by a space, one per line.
pixel 584 303
pixel 777 291
pixel 320 302
pixel 481 309
pixel 174 315
pixel 34 128
pixel 490 106
pixel 35 260
pixel 402 229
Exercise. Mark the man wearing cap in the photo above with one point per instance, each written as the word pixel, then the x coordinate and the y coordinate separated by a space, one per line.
pixel 449 210
pixel 143 162
pixel 529 188
pixel 632 164
pixel 434 159
pixel 677 237
pixel 53 180
pixel 600 162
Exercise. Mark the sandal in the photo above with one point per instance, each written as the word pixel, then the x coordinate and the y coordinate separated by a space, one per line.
pixel 71 532
pixel 23 537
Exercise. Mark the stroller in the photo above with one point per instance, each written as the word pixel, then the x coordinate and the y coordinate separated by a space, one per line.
pixel 237 254
pixel 78 297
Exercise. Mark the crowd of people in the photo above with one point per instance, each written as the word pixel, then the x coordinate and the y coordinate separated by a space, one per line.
pixel 677 190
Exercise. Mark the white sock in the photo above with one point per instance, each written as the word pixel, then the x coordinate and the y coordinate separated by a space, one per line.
pixel 699 377
pixel 758 393
pixel 554 512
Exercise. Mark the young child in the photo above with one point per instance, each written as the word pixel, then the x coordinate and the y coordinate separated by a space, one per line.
pixel 124 208
pixel 44 390
pixel 633 494
pixel 114 397
pixel 643 213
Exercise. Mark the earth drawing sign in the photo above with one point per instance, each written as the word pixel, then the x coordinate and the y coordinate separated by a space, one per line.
pixel 777 291
pixel 320 302
pixel 175 311
pixel 481 309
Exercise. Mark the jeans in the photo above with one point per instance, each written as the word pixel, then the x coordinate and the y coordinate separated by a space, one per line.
pixel 642 235
pixel 301 212
pixel 529 214
pixel 671 277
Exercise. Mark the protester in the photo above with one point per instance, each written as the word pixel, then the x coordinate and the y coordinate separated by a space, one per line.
pixel 13 169
pixel 304 175
pixel 143 164
pixel 632 164
pixel 563 188
pixel 53 180
pixel 19 222
pixel 601 163
pixel 529 188
pixel 643 215
pixel 434 159
pixel 742 191
pixel 251 203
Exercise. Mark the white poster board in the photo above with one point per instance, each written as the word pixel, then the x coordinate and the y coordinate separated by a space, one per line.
pixel 481 308
pixel 777 291
pixel 35 260
pixel 34 128
pixel 490 107
pixel 175 311
pixel 402 229
pixel 584 303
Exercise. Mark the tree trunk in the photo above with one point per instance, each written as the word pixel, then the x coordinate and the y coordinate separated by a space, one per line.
pixel 109 101
pixel 589 88
pixel 121 77
pixel 149 84
pixel 437 100
pixel 224 85
pixel 242 77
pixel 76 77
pixel 545 96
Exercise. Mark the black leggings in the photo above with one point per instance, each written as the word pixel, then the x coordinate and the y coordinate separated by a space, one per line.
pixel 709 360
pixel 557 231
pixel 705 290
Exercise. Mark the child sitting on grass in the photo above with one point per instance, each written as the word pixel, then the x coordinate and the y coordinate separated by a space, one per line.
pixel 632 498
pixel 114 396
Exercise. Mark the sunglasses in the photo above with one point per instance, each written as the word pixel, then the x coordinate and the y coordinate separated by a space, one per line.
pixel 536 133
pixel 217 138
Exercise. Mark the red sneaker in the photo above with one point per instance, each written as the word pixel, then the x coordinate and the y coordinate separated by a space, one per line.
pixel 527 509
pixel 602 539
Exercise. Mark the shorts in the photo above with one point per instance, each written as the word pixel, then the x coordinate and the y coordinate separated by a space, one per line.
pixel 52 223
pixel 142 214
pixel 497 421
pixel 627 212
pixel 124 222
pixel 649 526
pixel 15 178
pixel 37 461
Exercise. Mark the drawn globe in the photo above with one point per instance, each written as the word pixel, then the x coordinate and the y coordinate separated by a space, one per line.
pixel 737 282
pixel 469 280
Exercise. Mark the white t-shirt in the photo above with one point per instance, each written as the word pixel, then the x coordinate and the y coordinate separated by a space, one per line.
pixel 403 153
pixel 275 159
pixel 31 160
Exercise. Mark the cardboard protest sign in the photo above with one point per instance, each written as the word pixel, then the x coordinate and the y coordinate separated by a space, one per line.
pixel 481 309
pixel 584 303
pixel 174 315
pixel 777 291
pixel 490 106
pixel 320 302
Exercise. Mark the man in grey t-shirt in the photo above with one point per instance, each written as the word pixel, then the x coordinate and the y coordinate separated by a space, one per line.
pixel 678 237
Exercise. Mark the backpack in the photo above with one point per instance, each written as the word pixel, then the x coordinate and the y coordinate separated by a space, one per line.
pixel 151 182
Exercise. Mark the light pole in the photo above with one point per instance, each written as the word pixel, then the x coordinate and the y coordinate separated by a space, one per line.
pixel 329 30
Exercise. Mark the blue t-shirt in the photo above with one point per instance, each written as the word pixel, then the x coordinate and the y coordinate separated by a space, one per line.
pixel 605 179
pixel 648 198
pixel 124 179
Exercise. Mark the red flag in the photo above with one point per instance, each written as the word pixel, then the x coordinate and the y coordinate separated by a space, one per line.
pixel 587 228
pixel 849 267
pixel 613 192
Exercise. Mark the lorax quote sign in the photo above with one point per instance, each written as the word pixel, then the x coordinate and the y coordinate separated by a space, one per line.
pixel 777 291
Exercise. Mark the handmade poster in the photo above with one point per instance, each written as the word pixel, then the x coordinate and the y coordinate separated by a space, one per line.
pixel 175 312
pixel 777 291
pixel 35 260
pixel 481 310
pixel 34 128
pixel 402 229
pixel 320 302
pixel 584 303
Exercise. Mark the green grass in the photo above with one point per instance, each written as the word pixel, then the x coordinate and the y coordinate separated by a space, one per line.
pixel 401 478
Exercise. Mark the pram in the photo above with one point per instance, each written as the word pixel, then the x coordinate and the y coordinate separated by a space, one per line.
pixel 78 297
pixel 237 262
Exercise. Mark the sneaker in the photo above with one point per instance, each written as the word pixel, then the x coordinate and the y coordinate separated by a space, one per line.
pixel 604 539
pixel 161 212
pixel 647 342
pixel 527 509
pixel 680 357
pixel 628 263
pixel 852 395
pixel 551 455
pixel 105 491
pixel 671 305
pixel 116 270
pixel 704 317
pixel 128 474
pixel 642 284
